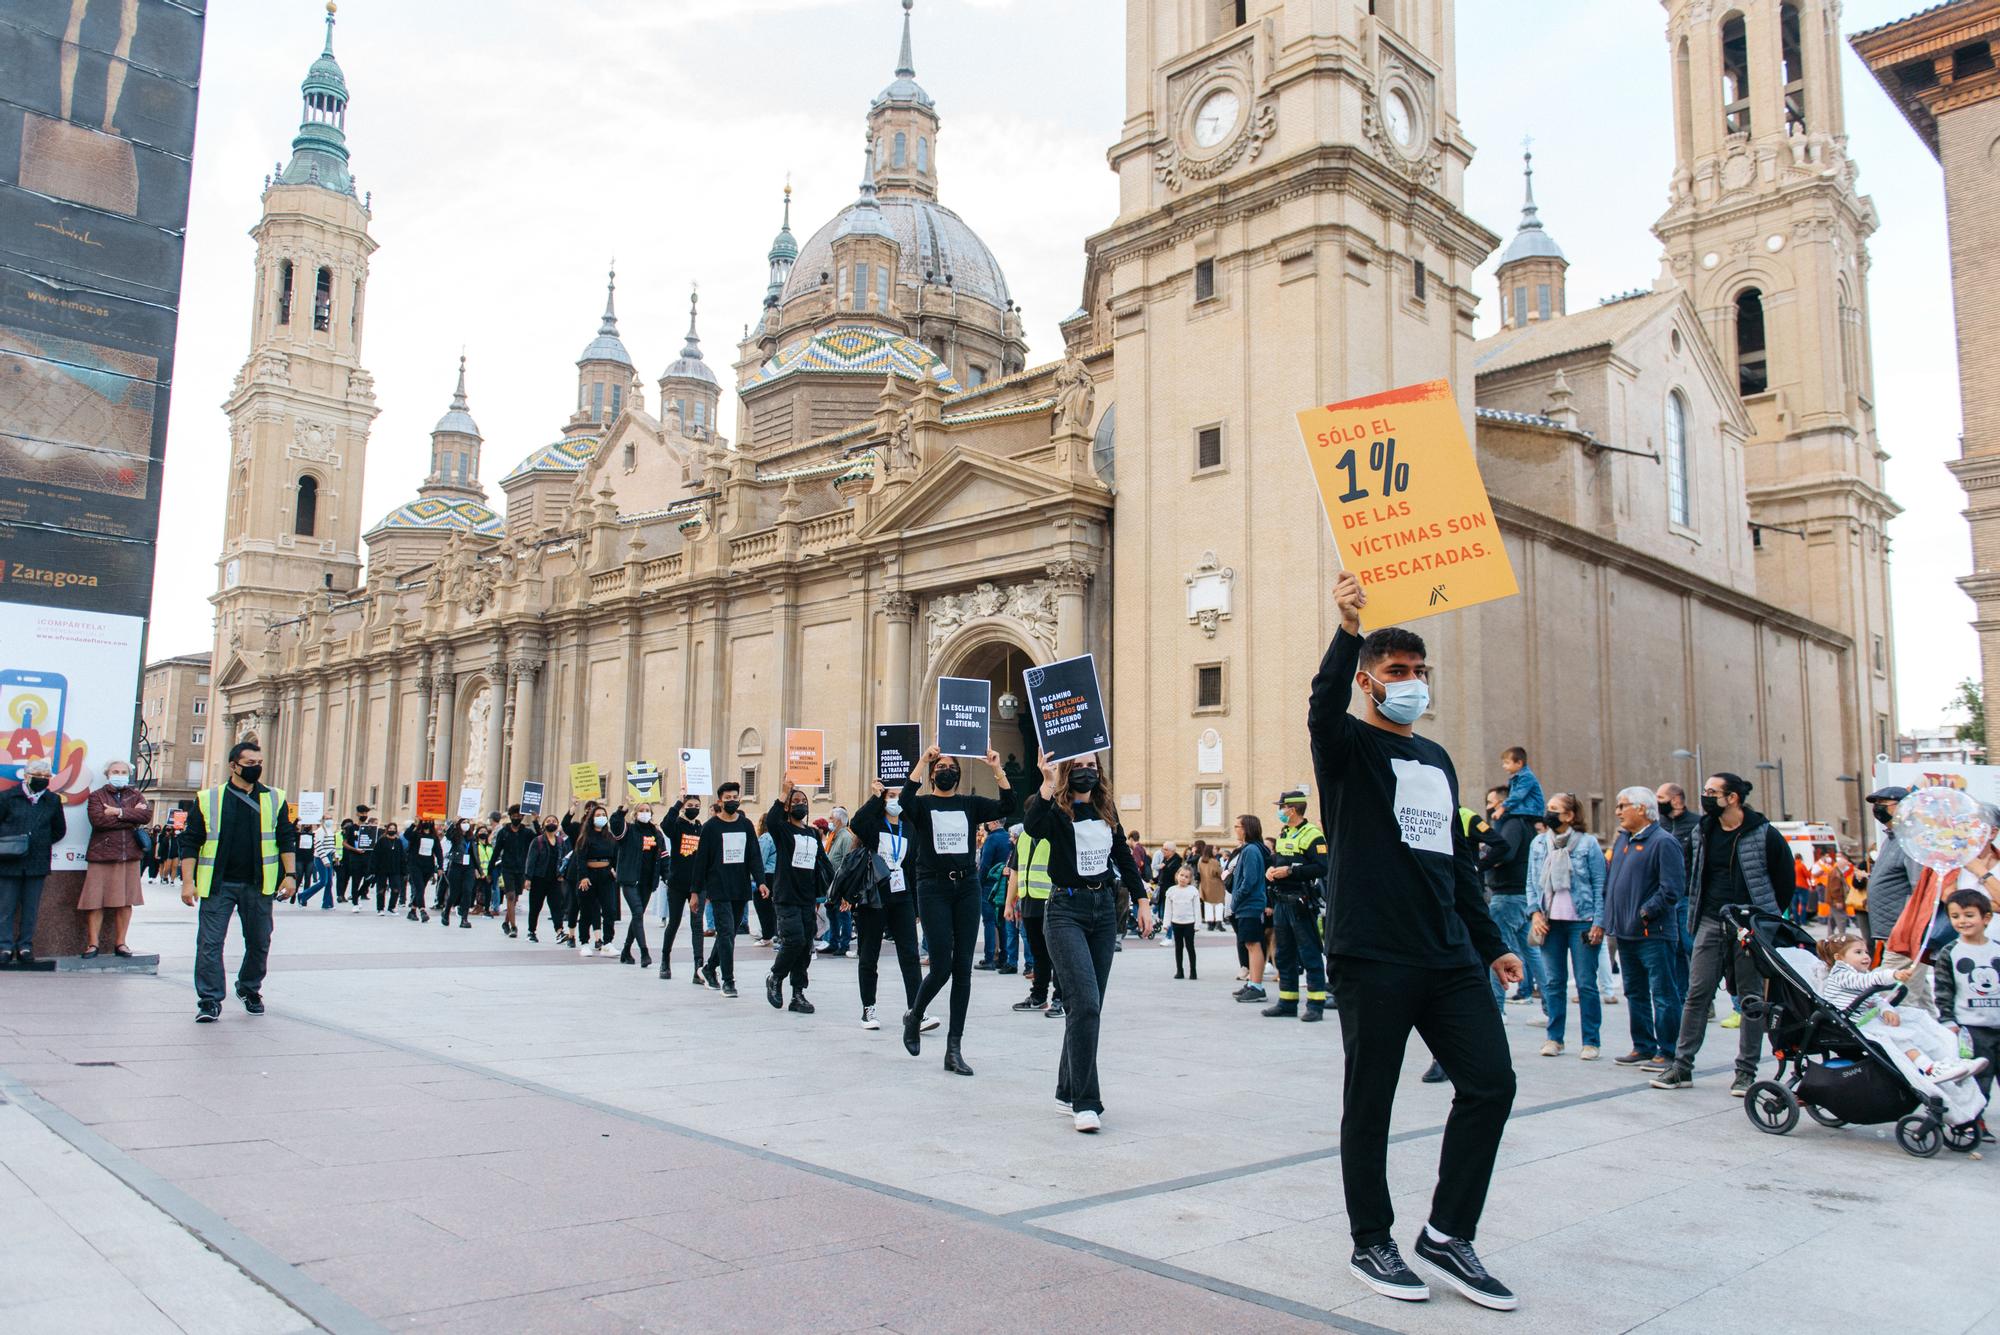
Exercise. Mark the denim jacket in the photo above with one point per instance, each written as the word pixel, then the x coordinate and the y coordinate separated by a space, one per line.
pixel 1586 875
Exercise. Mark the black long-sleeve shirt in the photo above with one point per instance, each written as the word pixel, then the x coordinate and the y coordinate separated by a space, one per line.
pixel 639 849
pixel 1084 829
pixel 683 838
pixel 1401 885
pixel 510 845
pixel 792 883
pixel 729 865
pixel 944 830
pixel 239 846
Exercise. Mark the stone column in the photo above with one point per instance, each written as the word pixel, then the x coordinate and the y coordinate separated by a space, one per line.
pixel 1070 579
pixel 901 610
pixel 422 754
pixel 494 780
pixel 523 727
pixel 447 693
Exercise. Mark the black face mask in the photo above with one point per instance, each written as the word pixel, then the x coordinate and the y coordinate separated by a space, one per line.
pixel 800 811
pixel 515 819
pixel 1553 817
pixel 689 813
pixel 1711 806
pixel 946 779
pixel 1884 816
pixel 39 783
pixel 250 773
pixel 1083 781
pixel 729 806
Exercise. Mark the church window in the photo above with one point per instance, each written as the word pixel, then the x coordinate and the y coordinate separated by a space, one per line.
pixel 1541 301
pixel 899 156
pixel 631 456
pixel 617 399
pixel 305 509
pixel 1753 368
pixel 1684 98
pixel 1418 279
pixel 1795 68
pixel 323 300
pixel 975 375
pixel 840 286
pixel 1679 510
pixel 285 292
pixel 1975 58
pixel 1204 279
pixel 200 706
pixel 1235 13
pixel 1735 76
pixel 882 288
pixel 597 402
pixel 197 736
pixel 1207 448
pixel 1881 655
pixel 464 468
pixel 1521 305
pixel 681 407
pixel 923 154
pixel 1207 686
pixel 860 287
pixel 749 782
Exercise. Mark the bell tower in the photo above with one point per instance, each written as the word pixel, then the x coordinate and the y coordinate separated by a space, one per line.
pixel 300 410
pixel 1291 232
pixel 1768 234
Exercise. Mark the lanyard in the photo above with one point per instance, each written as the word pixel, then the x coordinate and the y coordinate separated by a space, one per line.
pixel 896 842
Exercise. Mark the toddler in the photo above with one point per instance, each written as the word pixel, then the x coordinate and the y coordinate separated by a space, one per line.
pixel 1928 1047
pixel 1524 790
pixel 1966 972
pixel 1182 911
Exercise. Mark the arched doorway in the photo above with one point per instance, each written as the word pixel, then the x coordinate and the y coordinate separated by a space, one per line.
pixel 1001 653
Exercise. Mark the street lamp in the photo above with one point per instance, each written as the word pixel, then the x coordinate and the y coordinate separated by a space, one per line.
pixel 1700 775
pixel 1785 811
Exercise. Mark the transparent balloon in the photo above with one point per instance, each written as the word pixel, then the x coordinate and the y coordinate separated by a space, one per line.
pixel 1943 828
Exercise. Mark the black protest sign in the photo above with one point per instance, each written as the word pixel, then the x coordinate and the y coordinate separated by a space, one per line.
pixel 897 746
pixel 964 712
pixel 1067 706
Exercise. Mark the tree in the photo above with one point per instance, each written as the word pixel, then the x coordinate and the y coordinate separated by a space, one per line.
pixel 1972 700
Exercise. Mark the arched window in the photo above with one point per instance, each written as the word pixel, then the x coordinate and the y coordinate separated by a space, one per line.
pixel 1753 368
pixel 1679 509
pixel 305 509
pixel 1684 97
pixel 1735 76
pixel 700 413
pixel 923 154
pixel 323 300
pixel 1795 68
pixel 900 155
pixel 285 292
pixel 631 456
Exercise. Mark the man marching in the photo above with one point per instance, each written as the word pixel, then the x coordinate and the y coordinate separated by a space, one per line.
pixel 1408 943
pixel 236 855
pixel 1295 876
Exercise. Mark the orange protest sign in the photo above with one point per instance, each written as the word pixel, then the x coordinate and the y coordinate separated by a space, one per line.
pixel 805 757
pixel 430 799
pixel 1409 513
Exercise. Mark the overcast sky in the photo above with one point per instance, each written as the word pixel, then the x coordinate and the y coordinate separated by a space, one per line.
pixel 514 149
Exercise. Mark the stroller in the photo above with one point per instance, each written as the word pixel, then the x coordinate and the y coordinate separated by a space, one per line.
pixel 1825 1066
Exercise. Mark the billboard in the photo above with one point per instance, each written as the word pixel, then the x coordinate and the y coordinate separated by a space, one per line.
pixel 96 137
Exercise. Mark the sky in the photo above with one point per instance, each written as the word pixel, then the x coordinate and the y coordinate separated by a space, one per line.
pixel 514 150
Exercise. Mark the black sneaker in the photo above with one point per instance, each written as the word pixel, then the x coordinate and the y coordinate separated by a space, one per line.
pixel 800 1004
pixel 1251 994
pixel 708 976
pixel 729 989
pixel 1029 1005
pixel 208 1012
pixel 1740 1086
pixel 1455 1263
pixel 252 1002
pixel 774 991
pixel 1381 1268
pixel 1056 1010
pixel 1674 1077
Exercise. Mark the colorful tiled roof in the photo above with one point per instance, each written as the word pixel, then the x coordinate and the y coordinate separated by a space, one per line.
pixel 436 514
pixel 567 455
pixel 856 350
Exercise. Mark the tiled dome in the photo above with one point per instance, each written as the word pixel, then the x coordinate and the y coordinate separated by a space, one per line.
pixel 567 455
pixel 435 514
pixel 856 350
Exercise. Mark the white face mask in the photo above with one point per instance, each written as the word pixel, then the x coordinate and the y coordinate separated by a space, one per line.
pixel 893 807
pixel 645 818
pixel 600 821
pixel 117 780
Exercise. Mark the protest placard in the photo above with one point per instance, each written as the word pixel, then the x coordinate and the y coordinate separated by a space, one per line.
pixel 805 757
pixel 312 808
pixel 697 775
pixel 964 715
pixel 642 781
pixel 431 799
pixel 531 798
pixel 470 803
pixel 584 783
pixel 897 748
pixel 1067 706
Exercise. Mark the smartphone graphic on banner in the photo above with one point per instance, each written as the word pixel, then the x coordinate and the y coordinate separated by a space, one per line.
pixel 31 718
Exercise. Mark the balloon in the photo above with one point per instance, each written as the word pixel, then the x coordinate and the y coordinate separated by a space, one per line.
pixel 1943 828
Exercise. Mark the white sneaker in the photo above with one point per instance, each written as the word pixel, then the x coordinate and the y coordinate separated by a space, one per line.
pixel 357 908
pixel 1551 1048
pixel 868 1020
pixel 930 1023
pixel 1088 1121
pixel 1958 1070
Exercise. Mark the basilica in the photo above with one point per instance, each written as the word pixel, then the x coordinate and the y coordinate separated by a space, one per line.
pixel 1687 477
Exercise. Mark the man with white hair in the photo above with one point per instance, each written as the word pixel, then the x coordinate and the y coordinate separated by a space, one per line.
pixel 839 922
pixel 1648 881
pixel 31 824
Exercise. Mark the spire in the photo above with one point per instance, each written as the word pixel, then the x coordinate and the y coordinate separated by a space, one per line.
pixel 864 215
pixel 607 346
pixel 1529 217
pixel 692 348
pixel 319 152
pixel 610 325
pixel 457 418
pixel 458 395
pixel 689 365
pixel 1531 240
pixel 904 88
pixel 905 67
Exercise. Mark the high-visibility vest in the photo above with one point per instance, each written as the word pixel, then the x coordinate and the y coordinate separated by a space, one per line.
pixel 485 855
pixel 1296 842
pixel 1034 868
pixel 209 800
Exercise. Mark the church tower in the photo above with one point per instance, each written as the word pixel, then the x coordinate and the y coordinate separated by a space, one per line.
pixel 1291 232
pixel 300 410
pixel 1767 233
pixel 1532 272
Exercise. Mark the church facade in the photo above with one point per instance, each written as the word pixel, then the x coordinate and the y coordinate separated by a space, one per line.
pixel 911 495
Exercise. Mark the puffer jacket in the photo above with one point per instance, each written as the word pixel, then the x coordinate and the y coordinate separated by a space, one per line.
pixel 1586 874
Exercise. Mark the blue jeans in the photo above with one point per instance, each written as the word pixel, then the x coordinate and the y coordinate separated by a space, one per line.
pixel 989 932
pixel 1510 915
pixel 1568 943
pixel 839 929
pixel 319 881
pixel 1652 991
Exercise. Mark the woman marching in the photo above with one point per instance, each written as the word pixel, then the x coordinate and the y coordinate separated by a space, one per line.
pixel 800 875
pixel 423 843
pixel 948 891
pixel 879 827
pixel 392 870
pixel 544 870
pixel 1076 813
pixel 461 870
pixel 594 875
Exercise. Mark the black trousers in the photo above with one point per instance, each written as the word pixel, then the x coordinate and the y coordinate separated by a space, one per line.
pixel 597 896
pixel 635 930
pixel 897 918
pixel 723 958
pixel 461 878
pixel 795 938
pixel 388 893
pixel 1082 934
pixel 1183 940
pixel 1452 1010
pixel 1034 921
pixel 767 918
pixel 950 910
pixel 543 890
pixel 677 905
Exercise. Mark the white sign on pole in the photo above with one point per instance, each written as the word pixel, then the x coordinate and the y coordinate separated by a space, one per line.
pixel 697 776
pixel 470 802
pixel 312 808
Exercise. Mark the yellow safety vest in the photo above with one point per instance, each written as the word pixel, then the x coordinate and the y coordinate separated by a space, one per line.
pixel 1034 868
pixel 485 852
pixel 209 800
pixel 1297 843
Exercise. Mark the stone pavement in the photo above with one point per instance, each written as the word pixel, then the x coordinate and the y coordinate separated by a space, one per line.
pixel 437 1128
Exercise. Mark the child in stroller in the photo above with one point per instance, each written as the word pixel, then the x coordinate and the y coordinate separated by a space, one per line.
pixel 1930 1049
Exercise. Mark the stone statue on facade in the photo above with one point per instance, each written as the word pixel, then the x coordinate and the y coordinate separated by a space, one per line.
pixel 1076 396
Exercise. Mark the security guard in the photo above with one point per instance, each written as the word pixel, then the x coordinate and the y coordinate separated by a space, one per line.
pixel 1296 875
pixel 236 854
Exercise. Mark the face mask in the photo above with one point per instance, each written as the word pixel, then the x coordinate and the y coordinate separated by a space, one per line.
pixel 600 821
pixel 1884 816
pixel 548 829
pixel 946 779
pixel 645 818
pixel 689 813
pixel 117 780
pixel 38 783
pixel 515 819
pixel 1404 702
pixel 464 825
pixel 729 806
pixel 1553 817
pixel 894 808
pixel 1711 806
pixel 1083 781
pixel 799 812
pixel 251 773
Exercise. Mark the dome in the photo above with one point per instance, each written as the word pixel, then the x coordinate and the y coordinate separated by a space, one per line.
pixel 1532 243
pixel 904 90
pixel 457 419
pixel 607 346
pixel 691 368
pixel 434 514
pixel 933 240
pixel 861 350
pixel 567 455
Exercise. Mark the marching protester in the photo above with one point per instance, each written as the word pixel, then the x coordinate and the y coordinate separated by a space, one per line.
pixel 392 870
pixel 729 866
pixel 948 889
pixel 118 814
pixel 543 868
pixel 638 871
pixel 1075 812
pixel 425 853
pixel 682 831
pixel 1566 871
pixel 1642 910
pixel 1409 941
pixel 318 867
pixel 32 816
pixel 461 872
pixel 593 873
pixel 1296 877
pixel 236 856
pixel 800 875
pixel 357 853
pixel 510 862
pixel 887 903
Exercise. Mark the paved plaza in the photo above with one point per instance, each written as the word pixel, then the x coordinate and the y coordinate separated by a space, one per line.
pixel 441 1129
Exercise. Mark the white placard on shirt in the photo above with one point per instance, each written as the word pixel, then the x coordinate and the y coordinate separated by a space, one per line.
pixel 805 852
pixel 891 847
pixel 1423 805
pixel 1093 847
pixel 732 847
pixel 950 832
pixel 424 847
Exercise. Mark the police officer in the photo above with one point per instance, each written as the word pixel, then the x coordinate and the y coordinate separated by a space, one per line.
pixel 1295 877
pixel 236 856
